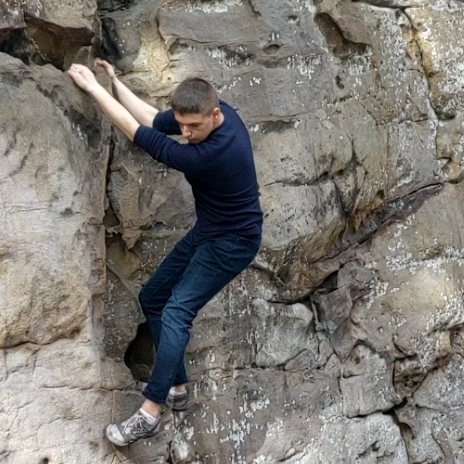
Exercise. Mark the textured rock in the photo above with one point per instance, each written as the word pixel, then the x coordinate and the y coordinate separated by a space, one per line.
pixel 52 272
pixel 51 208
pixel 35 30
pixel 341 103
pixel 366 383
pixel 146 194
pixel 342 343
pixel 437 34
pixel 417 288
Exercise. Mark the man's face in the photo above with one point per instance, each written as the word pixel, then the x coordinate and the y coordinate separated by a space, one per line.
pixel 196 127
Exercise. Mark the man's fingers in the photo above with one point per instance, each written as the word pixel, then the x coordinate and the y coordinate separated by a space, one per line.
pixel 75 68
pixel 100 63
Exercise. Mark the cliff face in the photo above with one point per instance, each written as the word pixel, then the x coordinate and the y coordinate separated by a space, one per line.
pixel 342 343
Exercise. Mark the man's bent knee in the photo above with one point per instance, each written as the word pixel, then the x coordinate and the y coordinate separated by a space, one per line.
pixel 177 319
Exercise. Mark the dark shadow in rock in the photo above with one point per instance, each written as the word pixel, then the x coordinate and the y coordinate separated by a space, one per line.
pixel 110 49
pixel 272 49
pixel 113 5
pixel 42 43
pixel 140 354
pixel 278 126
pixel 19 45
pixel 340 46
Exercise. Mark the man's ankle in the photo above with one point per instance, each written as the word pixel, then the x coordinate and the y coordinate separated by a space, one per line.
pixel 152 408
pixel 178 389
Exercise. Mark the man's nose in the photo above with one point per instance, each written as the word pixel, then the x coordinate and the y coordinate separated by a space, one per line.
pixel 186 132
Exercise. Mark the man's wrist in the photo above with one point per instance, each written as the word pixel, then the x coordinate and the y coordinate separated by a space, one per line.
pixel 95 89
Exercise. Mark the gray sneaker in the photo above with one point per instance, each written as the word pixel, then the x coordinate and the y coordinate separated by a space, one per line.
pixel 132 429
pixel 178 402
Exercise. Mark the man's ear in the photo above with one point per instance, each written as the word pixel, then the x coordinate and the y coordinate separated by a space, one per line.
pixel 216 113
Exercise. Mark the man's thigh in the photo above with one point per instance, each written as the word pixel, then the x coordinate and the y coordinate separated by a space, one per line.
pixel 159 287
pixel 214 264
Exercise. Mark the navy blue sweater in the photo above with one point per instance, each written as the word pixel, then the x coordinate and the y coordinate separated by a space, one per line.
pixel 220 170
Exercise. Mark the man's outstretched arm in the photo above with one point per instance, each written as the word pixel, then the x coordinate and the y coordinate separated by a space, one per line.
pixel 142 112
pixel 119 116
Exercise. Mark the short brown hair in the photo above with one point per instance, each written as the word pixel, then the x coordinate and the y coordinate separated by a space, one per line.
pixel 194 95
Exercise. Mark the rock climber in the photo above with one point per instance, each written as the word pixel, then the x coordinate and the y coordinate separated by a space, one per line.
pixel 218 164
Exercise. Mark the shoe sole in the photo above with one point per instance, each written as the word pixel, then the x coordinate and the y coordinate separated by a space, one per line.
pixel 113 439
pixel 116 442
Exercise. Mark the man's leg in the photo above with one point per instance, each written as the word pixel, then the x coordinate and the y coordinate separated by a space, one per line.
pixel 215 263
pixel 157 291
pixel 153 298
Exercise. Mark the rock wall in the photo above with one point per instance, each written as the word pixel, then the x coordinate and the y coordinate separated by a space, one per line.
pixel 343 342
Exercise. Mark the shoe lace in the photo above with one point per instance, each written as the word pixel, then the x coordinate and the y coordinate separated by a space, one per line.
pixel 135 424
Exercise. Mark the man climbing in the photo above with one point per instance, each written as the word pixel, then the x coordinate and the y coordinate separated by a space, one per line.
pixel 218 164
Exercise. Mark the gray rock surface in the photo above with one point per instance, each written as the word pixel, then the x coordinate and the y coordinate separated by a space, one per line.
pixel 343 342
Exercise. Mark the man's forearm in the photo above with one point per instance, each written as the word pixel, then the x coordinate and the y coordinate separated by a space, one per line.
pixel 141 111
pixel 119 116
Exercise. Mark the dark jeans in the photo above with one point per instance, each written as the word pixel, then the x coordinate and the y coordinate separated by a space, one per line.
pixel 195 270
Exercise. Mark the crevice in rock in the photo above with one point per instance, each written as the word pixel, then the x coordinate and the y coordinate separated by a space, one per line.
pixel 254 8
pixel 228 55
pixel 283 120
pixel 436 113
pixel 70 336
pixel 388 4
pixel 110 220
pixel 140 354
pixel 20 45
pixel 441 437
pixel 278 126
pixel 325 177
pixel 110 50
pixel 40 43
pixel 408 382
pixel 339 45
pixel 395 210
pixel 108 6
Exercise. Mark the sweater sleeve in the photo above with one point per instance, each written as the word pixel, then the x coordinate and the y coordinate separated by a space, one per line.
pixel 188 159
pixel 166 123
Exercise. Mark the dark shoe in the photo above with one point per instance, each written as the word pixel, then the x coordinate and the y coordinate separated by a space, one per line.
pixel 178 402
pixel 132 429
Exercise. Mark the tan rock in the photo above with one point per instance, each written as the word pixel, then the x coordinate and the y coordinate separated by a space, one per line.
pixel 437 33
pixel 354 302
pixel 52 208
